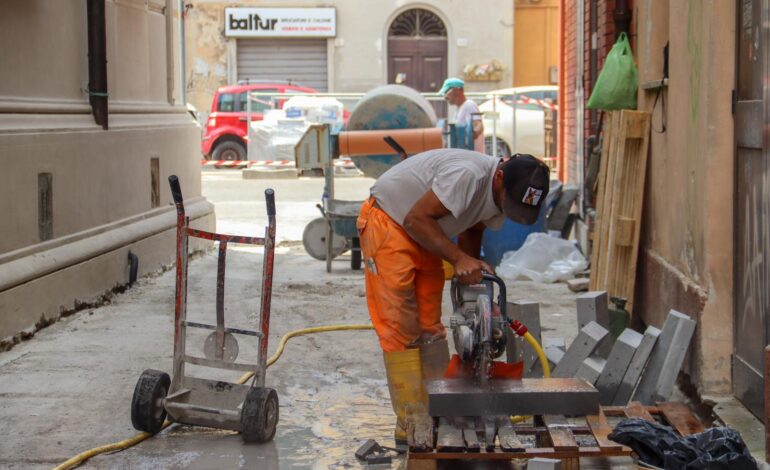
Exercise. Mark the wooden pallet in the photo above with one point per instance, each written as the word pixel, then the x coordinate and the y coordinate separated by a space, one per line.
pixel 619 196
pixel 550 436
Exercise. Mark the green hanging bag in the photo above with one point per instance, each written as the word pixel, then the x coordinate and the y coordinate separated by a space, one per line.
pixel 618 81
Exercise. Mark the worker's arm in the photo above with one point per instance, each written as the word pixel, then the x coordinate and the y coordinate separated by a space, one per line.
pixel 421 223
pixel 470 240
pixel 477 124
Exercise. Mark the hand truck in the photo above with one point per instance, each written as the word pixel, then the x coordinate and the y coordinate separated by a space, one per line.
pixel 252 408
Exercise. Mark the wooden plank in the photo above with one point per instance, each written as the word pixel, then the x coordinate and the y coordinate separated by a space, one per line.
pixel 636 410
pixel 601 429
pixel 529 453
pixel 606 173
pixel 508 440
pixel 472 443
pixel 620 197
pixel 449 437
pixel 560 433
pixel 679 416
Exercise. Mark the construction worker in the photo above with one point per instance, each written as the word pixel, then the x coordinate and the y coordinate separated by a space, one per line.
pixel 453 92
pixel 405 229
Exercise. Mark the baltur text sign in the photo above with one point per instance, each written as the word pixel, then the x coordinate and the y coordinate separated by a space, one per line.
pixel 280 22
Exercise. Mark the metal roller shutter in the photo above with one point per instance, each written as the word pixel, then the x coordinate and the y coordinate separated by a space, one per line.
pixel 300 60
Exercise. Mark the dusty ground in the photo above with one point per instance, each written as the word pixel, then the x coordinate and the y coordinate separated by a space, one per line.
pixel 69 388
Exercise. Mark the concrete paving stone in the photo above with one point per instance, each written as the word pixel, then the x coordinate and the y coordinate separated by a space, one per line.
pixel 658 378
pixel 593 306
pixel 554 355
pixel 583 346
pixel 617 363
pixel 541 463
pixel 635 368
pixel 591 369
pixel 528 312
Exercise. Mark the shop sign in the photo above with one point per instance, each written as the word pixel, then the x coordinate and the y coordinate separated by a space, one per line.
pixel 280 22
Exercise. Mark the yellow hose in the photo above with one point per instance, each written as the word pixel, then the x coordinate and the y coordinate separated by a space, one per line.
pixel 540 354
pixel 543 362
pixel 130 442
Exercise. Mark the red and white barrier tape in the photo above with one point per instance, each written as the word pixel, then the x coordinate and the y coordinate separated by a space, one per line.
pixel 542 103
pixel 339 163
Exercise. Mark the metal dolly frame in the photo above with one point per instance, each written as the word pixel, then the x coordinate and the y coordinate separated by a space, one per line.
pixel 251 408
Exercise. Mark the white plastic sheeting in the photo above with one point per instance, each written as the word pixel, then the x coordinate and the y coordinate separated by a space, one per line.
pixel 543 258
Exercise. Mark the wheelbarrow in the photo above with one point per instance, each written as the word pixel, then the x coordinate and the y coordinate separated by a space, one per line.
pixel 250 408
pixel 335 232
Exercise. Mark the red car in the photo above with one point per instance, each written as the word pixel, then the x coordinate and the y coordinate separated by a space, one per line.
pixel 225 135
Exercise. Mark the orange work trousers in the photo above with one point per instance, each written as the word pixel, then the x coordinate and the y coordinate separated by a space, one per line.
pixel 404 282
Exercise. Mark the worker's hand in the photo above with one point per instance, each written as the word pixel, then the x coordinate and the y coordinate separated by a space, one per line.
pixel 468 269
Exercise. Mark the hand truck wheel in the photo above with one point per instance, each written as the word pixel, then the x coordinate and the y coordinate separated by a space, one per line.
pixel 259 415
pixel 147 411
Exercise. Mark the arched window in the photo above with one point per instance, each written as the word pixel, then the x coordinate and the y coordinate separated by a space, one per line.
pixel 417 23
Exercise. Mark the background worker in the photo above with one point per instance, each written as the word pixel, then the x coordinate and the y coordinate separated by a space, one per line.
pixel 405 229
pixel 453 91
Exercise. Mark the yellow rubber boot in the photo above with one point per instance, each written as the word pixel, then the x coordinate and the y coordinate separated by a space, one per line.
pixel 435 359
pixel 407 395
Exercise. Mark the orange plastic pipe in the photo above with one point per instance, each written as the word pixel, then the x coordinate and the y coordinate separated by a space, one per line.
pixel 359 143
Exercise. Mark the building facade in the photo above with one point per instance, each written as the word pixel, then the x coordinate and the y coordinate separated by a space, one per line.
pixel 91 125
pixel 347 45
pixel 704 236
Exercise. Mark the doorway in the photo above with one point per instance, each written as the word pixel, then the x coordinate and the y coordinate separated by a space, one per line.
pixel 752 206
pixel 417 53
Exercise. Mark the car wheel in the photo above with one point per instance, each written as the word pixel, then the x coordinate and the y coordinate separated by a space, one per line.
pixel 229 150
pixel 502 147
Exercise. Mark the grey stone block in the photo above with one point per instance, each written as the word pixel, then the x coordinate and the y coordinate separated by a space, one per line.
pixel 541 463
pixel 554 355
pixel 635 368
pixel 527 312
pixel 591 369
pixel 554 349
pixel 582 347
pixel 662 369
pixel 593 306
pixel 617 363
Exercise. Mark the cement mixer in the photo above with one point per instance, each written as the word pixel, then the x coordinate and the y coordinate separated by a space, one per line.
pixel 396 112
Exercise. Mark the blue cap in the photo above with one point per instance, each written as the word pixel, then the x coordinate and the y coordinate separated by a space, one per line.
pixel 450 83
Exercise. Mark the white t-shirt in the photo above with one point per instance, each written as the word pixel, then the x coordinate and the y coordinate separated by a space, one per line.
pixel 461 179
pixel 462 118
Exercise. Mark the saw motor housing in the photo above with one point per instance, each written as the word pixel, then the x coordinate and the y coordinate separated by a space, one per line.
pixel 477 329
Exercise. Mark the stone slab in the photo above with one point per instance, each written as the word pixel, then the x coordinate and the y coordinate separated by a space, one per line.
pixel 617 363
pixel 635 368
pixel 657 381
pixel 583 346
pixel 593 306
pixel 541 463
pixel 527 312
pixel 591 369
pixel 464 397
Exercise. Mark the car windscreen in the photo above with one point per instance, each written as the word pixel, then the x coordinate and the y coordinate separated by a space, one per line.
pixel 231 102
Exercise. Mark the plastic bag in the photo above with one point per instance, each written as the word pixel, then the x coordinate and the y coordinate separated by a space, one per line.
pixel 543 258
pixel 719 448
pixel 618 81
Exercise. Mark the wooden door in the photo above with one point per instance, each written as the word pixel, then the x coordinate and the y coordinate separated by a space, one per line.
pixel 752 207
pixel 417 53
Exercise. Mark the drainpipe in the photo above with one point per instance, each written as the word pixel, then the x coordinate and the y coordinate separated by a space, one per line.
pixel 622 17
pixel 593 58
pixel 562 94
pixel 182 52
pixel 580 103
pixel 97 62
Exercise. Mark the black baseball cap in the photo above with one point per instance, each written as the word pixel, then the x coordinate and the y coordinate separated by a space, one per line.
pixel 526 182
